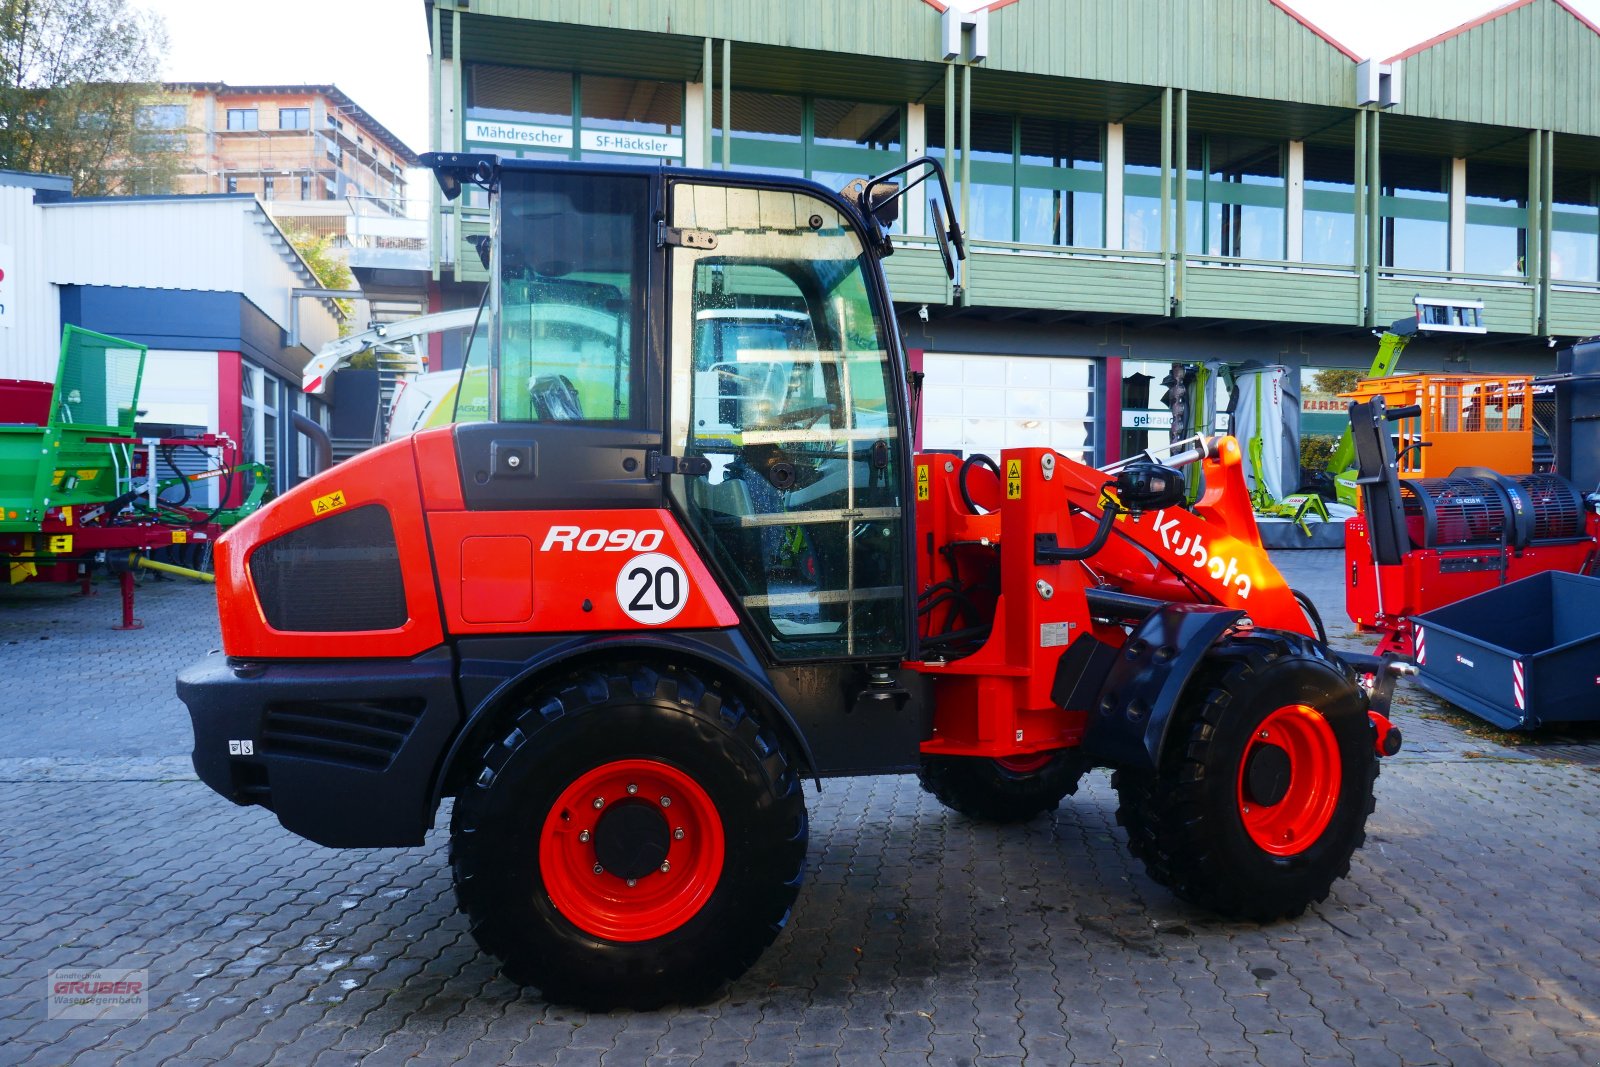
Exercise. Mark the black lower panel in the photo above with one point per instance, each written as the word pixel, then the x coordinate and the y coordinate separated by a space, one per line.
pixel 344 752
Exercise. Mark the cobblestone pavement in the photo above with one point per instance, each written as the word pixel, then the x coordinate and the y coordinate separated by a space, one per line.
pixel 1467 932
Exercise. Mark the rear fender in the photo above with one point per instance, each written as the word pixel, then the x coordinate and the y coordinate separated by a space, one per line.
pixel 1131 705
pixel 496 671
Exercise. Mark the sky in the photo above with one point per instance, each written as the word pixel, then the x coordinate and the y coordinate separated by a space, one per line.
pixel 377 50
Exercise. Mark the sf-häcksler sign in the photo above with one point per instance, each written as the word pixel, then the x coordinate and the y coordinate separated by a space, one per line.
pixel 529 135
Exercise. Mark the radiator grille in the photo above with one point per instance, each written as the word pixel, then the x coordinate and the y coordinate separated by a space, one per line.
pixel 362 734
pixel 1557 507
pixel 1466 511
pixel 339 574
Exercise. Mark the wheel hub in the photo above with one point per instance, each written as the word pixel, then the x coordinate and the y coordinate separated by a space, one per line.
pixel 1266 774
pixel 631 839
pixel 631 849
pixel 1289 780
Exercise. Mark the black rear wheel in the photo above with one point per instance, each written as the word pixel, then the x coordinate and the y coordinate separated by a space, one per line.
pixel 632 840
pixel 1002 790
pixel 1265 782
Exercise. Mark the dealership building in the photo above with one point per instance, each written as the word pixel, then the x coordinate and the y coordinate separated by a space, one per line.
pixel 228 309
pixel 1141 182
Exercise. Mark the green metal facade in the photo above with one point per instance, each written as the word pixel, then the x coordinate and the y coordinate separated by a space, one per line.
pixel 1520 92
pixel 1536 66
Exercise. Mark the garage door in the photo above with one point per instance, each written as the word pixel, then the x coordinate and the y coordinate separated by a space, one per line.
pixel 986 403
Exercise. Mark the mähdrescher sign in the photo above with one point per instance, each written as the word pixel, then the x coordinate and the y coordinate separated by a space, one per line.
pixel 528 135
pixel 521 134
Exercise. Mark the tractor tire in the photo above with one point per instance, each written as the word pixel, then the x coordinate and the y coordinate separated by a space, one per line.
pixel 1264 785
pixel 633 839
pixel 1003 790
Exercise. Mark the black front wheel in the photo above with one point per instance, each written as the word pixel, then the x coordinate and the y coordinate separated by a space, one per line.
pixel 1265 783
pixel 1013 789
pixel 631 840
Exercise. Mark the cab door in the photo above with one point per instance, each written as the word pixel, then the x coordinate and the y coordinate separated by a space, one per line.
pixel 781 382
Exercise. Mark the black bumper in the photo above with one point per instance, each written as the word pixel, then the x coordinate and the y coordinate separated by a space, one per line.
pixel 343 752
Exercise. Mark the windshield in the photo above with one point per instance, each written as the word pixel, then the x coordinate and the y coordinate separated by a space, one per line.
pixel 571 262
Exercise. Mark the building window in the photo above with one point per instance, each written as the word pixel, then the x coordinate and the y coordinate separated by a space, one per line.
pixel 1329 222
pixel 266 188
pixel 163 117
pixel 630 120
pixel 1141 184
pixel 546 114
pixel 1497 218
pixel 1575 239
pixel 519 112
pixel 852 140
pixel 305 187
pixel 233 185
pixel 294 118
pixel 1242 197
pixel 1035 181
pixel 1061 183
pixel 1415 207
pixel 768 133
pixel 243 118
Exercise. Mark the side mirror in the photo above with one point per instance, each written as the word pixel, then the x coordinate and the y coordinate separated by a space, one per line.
pixel 1146 486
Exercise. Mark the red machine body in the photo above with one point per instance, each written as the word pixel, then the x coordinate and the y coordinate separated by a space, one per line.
pixel 1466 534
pixel 996 702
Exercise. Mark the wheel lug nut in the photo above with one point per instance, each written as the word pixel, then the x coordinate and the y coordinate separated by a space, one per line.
pixel 666 802
pixel 632 789
pixel 677 835
pixel 665 866
pixel 632 882
pixel 599 802
pixel 583 835
pixel 599 869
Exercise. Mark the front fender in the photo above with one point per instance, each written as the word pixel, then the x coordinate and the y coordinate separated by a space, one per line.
pixel 494 669
pixel 1131 705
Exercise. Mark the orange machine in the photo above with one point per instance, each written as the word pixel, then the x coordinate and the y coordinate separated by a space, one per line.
pixel 1467 420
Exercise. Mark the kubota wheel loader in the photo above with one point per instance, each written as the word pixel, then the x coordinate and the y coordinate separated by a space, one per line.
pixel 691 561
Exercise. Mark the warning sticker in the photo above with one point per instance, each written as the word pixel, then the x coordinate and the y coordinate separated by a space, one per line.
pixel 324 504
pixel 1055 634
pixel 1013 479
pixel 922 481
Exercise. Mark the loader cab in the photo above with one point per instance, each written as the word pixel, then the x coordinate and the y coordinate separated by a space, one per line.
pixel 735 332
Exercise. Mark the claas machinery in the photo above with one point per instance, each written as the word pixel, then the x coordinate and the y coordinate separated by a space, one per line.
pixel 691 561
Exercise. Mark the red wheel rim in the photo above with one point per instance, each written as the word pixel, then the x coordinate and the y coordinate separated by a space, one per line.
pixel 659 901
pixel 1293 823
pixel 1027 763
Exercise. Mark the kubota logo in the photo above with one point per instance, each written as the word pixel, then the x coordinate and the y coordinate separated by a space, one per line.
pixel 573 538
pixel 1192 548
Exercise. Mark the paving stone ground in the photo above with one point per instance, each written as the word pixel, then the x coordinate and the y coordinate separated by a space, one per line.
pixel 1467 932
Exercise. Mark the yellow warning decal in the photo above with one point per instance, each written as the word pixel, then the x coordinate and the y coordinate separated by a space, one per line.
pixel 922 481
pixel 324 504
pixel 1013 479
pixel 180 537
pixel 60 543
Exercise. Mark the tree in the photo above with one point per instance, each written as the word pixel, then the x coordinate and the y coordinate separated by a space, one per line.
pixel 78 94
pixel 1335 381
pixel 331 271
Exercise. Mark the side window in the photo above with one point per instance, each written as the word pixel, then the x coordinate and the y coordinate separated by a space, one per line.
pixel 781 381
pixel 572 260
